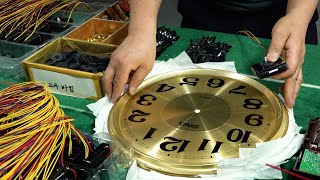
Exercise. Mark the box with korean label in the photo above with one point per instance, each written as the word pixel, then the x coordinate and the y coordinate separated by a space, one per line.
pixel 70 67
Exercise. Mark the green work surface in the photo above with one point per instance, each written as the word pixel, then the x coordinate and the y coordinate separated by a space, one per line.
pixel 245 53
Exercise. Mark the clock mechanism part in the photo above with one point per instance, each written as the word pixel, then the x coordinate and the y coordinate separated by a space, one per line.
pixel 308 161
pixel 312 138
pixel 183 123
pixel 267 68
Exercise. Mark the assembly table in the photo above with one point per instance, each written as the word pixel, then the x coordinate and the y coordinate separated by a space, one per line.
pixel 244 52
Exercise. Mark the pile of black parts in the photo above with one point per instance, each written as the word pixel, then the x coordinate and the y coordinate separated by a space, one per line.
pixel 165 38
pixel 78 61
pixel 207 49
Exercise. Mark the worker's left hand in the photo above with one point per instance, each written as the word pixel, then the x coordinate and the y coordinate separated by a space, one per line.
pixel 288 34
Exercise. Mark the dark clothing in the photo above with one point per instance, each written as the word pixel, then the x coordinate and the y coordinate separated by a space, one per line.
pixel 239 6
pixel 231 16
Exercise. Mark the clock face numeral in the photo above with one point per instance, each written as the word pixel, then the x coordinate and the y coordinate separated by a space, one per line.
pixel 215 83
pixel 173 140
pixel 138 113
pixel 146 100
pixel 150 133
pixel 165 87
pixel 215 148
pixel 235 135
pixel 254 120
pixel 165 146
pixel 192 81
pixel 252 103
pixel 237 90
pixel 203 144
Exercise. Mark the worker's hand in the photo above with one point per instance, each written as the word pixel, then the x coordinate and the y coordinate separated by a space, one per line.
pixel 289 34
pixel 129 63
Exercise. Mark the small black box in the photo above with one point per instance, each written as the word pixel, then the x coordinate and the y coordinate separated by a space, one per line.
pixel 266 69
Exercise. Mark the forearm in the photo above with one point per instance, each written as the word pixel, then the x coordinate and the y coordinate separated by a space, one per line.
pixel 302 10
pixel 143 17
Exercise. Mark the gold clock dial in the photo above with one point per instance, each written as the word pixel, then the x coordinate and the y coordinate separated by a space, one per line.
pixel 184 122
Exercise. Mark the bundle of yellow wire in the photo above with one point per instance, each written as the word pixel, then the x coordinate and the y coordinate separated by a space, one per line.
pixel 33 132
pixel 26 16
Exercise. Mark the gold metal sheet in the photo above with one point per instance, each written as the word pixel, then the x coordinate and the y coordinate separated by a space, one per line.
pixel 184 122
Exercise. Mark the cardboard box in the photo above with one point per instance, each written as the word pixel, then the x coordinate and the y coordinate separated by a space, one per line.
pixel 95 27
pixel 67 81
pixel 118 37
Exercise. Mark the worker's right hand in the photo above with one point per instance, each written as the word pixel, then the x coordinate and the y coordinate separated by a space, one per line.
pixel 130 63
pixel 289 34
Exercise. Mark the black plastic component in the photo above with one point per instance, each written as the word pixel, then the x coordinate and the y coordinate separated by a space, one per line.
pixel 77 152
pixel 77 149
pixel 70 172
pixel 56 57
pixel 95 158
pixel 165 38
pixel 4 34
pixel 36 39
pixel 45 27
pixel 77 167
pixel 20 39
pixel 39 39
pixel 53 27
pixel 12 36
pixel 82 173
pixel 61 19
pixel 64 174
pixel 266 69
pixel 207 49
pixel 312 138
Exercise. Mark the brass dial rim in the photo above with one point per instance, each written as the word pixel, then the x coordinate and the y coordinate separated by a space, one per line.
pixel 184 167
